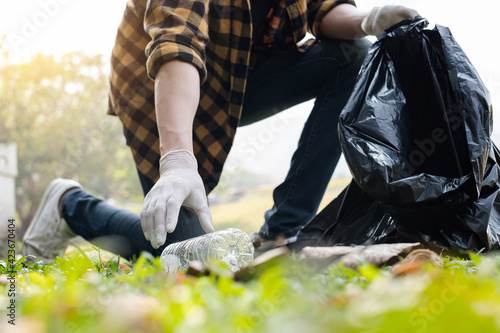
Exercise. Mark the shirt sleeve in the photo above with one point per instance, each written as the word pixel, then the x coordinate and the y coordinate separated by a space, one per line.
pixel 317 9
pixel 178 30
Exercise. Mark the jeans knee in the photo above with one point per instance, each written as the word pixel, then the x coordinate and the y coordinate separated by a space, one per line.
pixel 355 52
pixel 350 54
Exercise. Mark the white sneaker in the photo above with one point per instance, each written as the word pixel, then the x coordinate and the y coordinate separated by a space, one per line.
pixel 48 234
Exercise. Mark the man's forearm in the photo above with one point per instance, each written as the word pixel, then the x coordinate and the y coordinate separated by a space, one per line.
pixel 343 22
pixel 177 94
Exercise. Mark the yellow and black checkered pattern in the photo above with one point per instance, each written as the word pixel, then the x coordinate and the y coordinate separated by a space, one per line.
pixel 213 35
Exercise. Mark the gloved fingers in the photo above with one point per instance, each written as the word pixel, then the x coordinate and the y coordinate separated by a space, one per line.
pixel 381 18
pixel 150 220
pixel 160 215
pixel 404 12
pixel 144 219
pixel 158 211
pixel 174 204
pixel 198 202
pixel 205 218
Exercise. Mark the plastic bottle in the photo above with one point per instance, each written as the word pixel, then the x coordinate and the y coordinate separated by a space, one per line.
pixel 231 246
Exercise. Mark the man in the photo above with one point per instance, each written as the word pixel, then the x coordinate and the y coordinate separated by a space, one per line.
pixel 185 74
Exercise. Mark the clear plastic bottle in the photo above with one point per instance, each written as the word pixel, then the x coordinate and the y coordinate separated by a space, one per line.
pixel 231 246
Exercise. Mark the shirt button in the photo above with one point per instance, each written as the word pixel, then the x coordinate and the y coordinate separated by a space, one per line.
pixel 235 100
pixel 241 60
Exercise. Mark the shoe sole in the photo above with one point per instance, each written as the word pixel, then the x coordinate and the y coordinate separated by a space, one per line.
pixel 266 245
pixel 52 186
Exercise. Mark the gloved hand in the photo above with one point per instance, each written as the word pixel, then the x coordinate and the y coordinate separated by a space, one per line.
pixel 179 184
pixel 381 18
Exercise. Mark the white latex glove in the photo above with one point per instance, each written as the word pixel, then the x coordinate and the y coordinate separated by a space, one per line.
pixel 381 18
pixel 179 185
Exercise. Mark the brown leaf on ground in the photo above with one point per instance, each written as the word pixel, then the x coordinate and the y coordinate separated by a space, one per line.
pixel 122 267
pixel 415 261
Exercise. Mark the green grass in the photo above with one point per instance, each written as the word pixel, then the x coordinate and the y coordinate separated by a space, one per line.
pixel 81 294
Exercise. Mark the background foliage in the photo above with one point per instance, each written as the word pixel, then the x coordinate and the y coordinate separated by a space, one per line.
pixel 55 110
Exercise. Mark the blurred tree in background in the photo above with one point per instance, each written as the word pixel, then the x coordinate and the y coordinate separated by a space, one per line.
pixel 55 110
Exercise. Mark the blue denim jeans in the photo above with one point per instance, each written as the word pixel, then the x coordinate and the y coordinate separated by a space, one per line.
pixel 119 230
pixel 327 72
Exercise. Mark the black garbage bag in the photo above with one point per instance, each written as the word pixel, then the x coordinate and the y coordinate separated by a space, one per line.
pixel 354 217
pixel 416 136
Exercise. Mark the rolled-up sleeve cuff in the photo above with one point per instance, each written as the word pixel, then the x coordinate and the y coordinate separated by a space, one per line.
pixel 322 9
pixel 173 51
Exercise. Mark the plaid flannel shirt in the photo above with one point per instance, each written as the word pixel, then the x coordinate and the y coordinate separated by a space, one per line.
pixel 215 36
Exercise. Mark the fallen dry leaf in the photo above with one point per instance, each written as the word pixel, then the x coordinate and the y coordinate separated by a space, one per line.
pixel 415 260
